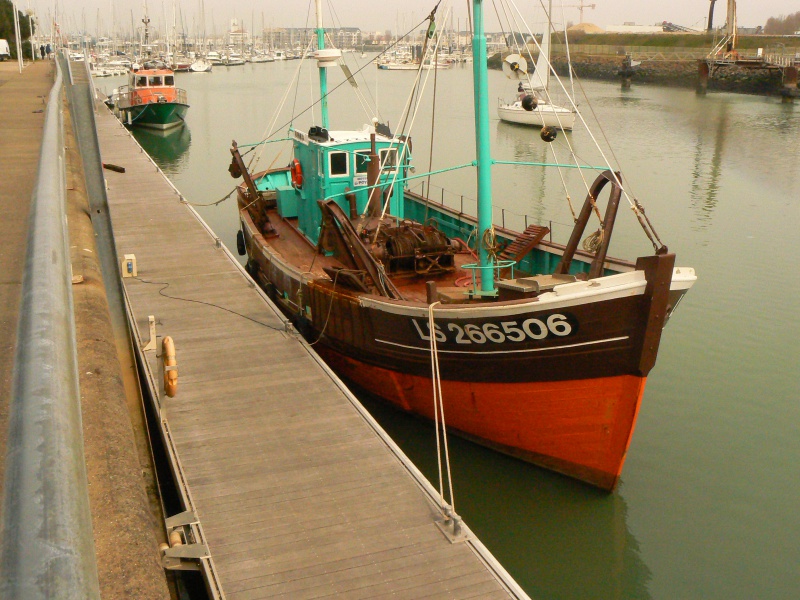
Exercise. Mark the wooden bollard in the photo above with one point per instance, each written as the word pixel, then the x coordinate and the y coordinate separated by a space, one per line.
pixel 170 366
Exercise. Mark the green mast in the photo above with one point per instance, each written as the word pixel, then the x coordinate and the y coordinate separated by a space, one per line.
pixel 323 73
pixel 482 144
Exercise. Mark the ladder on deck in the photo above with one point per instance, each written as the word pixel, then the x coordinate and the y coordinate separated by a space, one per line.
pixel 524 243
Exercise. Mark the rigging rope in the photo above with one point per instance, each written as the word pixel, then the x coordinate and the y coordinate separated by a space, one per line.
pixel 220 201
pixel 433 125
pixel 489 243
pixel 407 111
pixel 548 97
pixel 634 204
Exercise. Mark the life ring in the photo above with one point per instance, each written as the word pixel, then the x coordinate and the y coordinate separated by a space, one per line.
pixel 170 375
pixel 297 173
pixel 137 99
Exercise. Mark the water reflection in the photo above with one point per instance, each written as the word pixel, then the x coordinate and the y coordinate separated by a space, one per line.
pixel 169 149
pixel 707 167
pixel 557 537
pixel 522 143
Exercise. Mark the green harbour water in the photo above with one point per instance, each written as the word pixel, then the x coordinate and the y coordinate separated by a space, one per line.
pixel 707 505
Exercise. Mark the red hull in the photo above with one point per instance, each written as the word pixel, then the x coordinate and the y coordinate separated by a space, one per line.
pixel 581 428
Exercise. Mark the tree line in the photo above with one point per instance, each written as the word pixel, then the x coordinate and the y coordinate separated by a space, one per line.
pixel 7 28
pixel 783 25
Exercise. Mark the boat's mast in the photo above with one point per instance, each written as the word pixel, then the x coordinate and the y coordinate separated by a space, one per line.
pixel 482 147
pixel 323 72
pixel 543 66
pixel 146 44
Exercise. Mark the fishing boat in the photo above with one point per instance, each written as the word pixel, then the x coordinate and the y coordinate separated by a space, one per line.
pixel 543 355
pixel 534 104
pixel 151 99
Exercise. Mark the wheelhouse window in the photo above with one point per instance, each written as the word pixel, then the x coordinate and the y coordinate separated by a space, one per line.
pixel 362 161
pixel 155 80
pixel 169 80
pixel 337 164
pixel 389 159
pixel 141 82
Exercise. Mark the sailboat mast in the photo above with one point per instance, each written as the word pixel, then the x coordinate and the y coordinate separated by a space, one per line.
pixel 542 71
pixel 482 144
pixel 323 72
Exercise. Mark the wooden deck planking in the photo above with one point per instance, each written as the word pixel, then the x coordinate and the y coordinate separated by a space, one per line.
pixel 297 495
pixel 406 570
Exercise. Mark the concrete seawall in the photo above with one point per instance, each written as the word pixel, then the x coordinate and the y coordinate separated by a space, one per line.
pixel 678 73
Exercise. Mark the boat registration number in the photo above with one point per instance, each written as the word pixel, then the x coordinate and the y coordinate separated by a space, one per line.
pixel 557 325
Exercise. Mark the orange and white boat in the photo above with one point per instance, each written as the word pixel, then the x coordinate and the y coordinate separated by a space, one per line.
pixel 151 99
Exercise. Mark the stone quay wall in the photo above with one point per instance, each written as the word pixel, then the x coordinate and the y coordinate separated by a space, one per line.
pixel 681 72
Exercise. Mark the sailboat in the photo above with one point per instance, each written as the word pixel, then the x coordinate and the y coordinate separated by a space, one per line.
pixel 533 105
pixel 201 63
pixel 544 355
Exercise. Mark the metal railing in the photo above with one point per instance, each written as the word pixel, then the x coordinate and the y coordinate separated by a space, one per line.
pixel 48 547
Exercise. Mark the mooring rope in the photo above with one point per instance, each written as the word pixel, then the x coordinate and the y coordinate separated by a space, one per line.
pixel 438 415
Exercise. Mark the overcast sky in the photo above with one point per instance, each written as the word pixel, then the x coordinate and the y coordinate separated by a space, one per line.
pixel 399 14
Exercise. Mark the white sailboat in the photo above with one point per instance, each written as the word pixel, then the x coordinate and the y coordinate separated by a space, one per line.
pixel 533 105
pixel 202 64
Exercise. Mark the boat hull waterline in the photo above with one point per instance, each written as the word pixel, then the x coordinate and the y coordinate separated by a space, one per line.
pixel 157 116
pixel 580 428
pixel 544 115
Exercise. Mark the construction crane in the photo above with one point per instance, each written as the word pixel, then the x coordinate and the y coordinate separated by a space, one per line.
pixel 711 16
pixel 580 7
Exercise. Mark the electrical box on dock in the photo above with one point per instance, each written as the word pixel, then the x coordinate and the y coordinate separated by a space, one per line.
pixel 129 266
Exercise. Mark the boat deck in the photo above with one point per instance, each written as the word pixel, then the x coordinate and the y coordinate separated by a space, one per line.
pixel 296 250
pixel 291 489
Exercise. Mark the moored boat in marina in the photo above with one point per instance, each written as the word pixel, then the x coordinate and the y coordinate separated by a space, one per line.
pixel 201 65
pixel 544 356
pixel 151 99
pixel 534 104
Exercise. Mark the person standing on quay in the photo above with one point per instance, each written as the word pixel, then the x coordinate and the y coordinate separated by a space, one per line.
pixel 41 51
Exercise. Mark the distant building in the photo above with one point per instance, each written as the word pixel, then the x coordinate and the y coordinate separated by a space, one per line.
pixel 346 37
pixel 301 37
pixel 237 36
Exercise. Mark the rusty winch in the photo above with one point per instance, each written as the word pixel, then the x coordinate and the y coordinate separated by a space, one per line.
pixel 413 248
